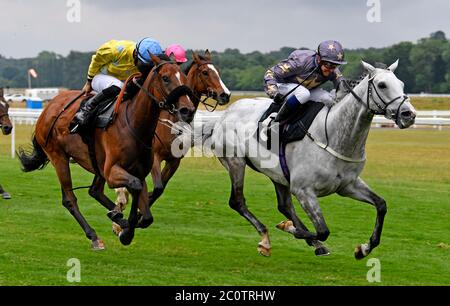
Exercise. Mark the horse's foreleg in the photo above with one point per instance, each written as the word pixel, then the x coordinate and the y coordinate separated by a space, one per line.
pixel 286 207
pixel 168 171
pixel 121 202
pixel 97 192
pixel 236 170
pixel 117 177
pixel 309 203
pixel 158 186
pixel 145 216
pixel 69 201
pixel 361 192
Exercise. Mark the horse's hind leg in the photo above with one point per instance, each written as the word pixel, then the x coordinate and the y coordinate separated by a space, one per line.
pixel 236 170
pixel 287 209
pixel 361 192
pixel 69 201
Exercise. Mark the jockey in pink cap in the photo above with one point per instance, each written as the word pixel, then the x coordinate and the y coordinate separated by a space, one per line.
pixel 178 51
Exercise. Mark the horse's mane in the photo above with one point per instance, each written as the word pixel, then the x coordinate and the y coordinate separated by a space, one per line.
pixel 188 68
pixel 355 82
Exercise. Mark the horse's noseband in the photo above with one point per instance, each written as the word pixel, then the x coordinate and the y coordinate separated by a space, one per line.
pixel 170 103
pixel 382 108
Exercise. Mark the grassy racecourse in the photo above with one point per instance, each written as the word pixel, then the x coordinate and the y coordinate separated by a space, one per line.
pixel 197 239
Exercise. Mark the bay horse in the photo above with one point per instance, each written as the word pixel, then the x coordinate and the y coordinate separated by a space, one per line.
pixel 6 126
pixel 204 80
pixel 121 151
pixel 316 170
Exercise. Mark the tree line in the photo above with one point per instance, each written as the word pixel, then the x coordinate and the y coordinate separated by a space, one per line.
pixel 424 66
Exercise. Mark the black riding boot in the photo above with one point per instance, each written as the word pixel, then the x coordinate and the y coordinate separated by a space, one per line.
pixel 288 109
pixel 84 114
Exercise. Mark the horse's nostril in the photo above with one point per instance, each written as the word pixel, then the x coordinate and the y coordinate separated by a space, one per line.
pixel 184 111
pixel 407 114
pixel 224 97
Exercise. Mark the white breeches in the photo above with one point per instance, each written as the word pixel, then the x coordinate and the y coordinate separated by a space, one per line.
pixel 102 81
pixel 304 95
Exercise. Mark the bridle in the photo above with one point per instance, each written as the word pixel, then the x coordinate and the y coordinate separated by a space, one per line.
pixel 381 107
pixel 209 92
pixel 168 103
pixel 382 110
pixel 169 100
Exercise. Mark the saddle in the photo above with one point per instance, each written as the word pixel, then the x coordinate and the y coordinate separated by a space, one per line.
pixel 295 129
pixel 103 116
pixel 296 126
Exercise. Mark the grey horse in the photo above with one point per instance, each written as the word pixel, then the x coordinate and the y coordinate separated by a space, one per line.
pixel 330 161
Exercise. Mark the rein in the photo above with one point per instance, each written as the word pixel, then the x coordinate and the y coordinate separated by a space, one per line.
pixel 59 115
pixel 381 111
pixel 167 104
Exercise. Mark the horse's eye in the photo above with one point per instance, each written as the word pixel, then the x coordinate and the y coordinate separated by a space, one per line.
pixel 382 85
pixel 205 72
pixel 165 78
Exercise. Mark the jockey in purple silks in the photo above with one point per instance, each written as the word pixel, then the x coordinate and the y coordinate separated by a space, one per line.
pixel 296 80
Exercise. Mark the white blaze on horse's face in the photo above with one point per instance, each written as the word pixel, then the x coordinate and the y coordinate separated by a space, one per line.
pixel 178 76
pixel 388 92
pixel 224 87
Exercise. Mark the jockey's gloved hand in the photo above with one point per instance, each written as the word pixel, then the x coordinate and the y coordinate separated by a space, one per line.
pixel 279 98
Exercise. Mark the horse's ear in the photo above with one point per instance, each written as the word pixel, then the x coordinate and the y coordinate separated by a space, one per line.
pixel 393 66
pixel 173 58
pixel 208 55
pixel 154 58
pixel 195 57
pixel 368 67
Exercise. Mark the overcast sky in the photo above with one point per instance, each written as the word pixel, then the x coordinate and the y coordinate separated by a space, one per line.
pixel 30 26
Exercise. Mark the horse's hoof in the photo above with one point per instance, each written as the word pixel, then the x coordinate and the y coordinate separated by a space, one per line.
pixel 360 251
pixel 126 236
pixel 266 252
pixel 285 225
pixel 98 245
pixel 116 229
pixel 6 196
pixel 321 251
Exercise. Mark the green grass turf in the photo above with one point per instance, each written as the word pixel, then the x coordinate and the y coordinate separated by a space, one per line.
pixel 197 239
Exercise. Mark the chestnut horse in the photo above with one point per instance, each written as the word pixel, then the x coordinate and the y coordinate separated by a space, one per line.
pixel 6 126
pixel 204 80
pixel 121 151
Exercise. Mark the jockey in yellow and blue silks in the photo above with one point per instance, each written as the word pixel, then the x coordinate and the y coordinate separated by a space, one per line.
pixel 110 66
pixel 300 75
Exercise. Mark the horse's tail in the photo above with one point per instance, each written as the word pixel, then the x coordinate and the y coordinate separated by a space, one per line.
pixel 34 159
